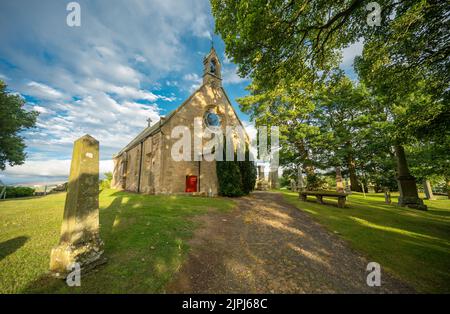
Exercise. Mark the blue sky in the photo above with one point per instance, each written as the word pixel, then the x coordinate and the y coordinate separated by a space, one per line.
pixel 128 61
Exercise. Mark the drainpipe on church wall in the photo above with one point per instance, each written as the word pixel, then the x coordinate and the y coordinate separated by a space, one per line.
pixel 199 171
pixel 140 170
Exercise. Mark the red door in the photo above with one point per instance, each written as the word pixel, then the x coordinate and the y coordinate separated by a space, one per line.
pixel 191 183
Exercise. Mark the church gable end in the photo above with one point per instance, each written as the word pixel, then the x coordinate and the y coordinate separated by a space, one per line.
pixel 149 167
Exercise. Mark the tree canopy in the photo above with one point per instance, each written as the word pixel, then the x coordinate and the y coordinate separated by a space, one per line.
pixel 291 51
pixel 13 120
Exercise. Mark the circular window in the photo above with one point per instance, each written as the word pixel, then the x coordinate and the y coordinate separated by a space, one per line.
pixel 212 120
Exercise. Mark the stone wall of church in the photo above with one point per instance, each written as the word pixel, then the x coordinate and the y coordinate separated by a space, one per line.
pixel 132 173
pixel 159 172
pixel 151 165
pixel 175 172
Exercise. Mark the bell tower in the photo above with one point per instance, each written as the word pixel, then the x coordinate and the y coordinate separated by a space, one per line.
pixel 212 69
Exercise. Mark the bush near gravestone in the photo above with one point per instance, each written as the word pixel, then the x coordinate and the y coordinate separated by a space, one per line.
pixel 247 169
pixel 106 183
pixel 236 178
pixel 19 191
pixel 229 177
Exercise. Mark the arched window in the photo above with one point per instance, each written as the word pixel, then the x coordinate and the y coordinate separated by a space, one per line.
pixel 212 66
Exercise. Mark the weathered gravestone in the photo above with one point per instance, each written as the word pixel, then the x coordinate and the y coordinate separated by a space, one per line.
pixel 339 183
pixel 406 182
pixel 371 188
pixel 387 196
pixel 80 241
pixel 428 191
pixel 293 185
pixel 348 189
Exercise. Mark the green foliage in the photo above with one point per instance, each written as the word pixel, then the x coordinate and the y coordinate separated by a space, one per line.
pixel 13 120
pixel 19 191
pixel 236 178
pixel 285 181
pixel 247 169
pixel 106 183
pixel 229 177
pixel 290 48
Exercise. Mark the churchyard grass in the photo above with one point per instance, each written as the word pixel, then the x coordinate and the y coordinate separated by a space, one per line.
pixel 145 241
pixel 410 244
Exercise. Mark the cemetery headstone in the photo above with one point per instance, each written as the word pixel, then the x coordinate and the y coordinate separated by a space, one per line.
pixel 406 183
pixel 339 184
pixel 428 191
pixel 80 241
pixel 387 196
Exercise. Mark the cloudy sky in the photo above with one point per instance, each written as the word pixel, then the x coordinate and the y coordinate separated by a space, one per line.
pixel 128 61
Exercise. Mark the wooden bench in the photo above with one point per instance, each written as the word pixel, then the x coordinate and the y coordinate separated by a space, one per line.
pixel 320 194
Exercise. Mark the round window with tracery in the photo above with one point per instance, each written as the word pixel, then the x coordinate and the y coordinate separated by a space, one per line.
pixel 212 120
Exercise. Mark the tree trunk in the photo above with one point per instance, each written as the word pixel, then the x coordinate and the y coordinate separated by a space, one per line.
pixel 308 167
pixel 448 187
pixel 354 184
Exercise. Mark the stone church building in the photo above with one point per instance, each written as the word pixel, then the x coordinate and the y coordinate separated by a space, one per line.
pixel 145 165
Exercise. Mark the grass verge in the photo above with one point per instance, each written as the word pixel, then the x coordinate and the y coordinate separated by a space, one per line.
pixel 145 241
pixel 411 244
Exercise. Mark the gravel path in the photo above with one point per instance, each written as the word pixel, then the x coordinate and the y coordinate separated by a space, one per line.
pixel 266 245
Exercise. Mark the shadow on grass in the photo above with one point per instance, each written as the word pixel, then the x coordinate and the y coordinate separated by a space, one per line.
pixel 414 244
pixel 10 246
pixel 145 243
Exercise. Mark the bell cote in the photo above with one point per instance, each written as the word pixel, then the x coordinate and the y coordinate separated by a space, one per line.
pixel 212 69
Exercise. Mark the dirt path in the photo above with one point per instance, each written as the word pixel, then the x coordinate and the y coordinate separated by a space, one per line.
pixel 268 246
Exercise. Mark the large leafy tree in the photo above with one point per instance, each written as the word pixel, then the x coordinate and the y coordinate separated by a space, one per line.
pixel 413 101
pixel 344 113
pixel 264 36
pixel 13 120
pixel 284 45
pixel 288 105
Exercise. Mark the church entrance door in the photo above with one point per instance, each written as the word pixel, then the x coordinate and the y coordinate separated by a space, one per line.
pixel 191 183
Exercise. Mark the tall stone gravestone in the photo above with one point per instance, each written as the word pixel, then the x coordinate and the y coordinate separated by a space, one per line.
pixel 406 182
pixel 428 191
pixel 80 241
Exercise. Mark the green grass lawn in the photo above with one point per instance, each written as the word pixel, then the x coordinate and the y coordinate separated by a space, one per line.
pixel 410 244
pixel 145 241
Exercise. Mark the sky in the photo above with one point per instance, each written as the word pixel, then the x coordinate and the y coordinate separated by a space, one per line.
pixel 127 62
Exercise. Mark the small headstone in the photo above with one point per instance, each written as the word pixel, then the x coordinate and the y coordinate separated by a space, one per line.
pixel 370 188
pixel 387 196
pixel 80 242
pixel 293 186
pixel 348 189
pixel 427 190
pixel 339 184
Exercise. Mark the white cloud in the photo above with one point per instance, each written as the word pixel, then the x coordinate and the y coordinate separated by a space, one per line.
pixel 42 91
pixel 140 58
pixel 93 79
pixel 349 54
pixel 49 168
pixel 230 76
pixel 194 81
